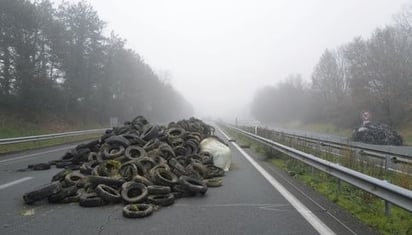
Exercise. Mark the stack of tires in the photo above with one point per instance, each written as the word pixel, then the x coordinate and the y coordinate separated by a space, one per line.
pixel 376 133
pixel 143 165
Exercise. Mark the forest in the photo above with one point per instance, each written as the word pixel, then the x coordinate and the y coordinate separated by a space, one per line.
pixel 57 62
pixel 366 74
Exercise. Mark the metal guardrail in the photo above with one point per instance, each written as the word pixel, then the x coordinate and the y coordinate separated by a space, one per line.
pixel 348 146
pixel 17 140
pixel 380 188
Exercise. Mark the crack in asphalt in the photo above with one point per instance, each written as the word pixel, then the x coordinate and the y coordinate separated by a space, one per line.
pixel 108 219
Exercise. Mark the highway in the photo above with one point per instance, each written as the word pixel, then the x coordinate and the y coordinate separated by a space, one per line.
pixel 256 198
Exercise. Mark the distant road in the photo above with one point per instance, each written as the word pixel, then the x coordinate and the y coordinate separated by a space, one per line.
pixel 251 201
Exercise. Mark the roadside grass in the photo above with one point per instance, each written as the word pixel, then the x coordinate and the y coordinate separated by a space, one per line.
pixel 364 206
pixel 10 148
pixel 16 127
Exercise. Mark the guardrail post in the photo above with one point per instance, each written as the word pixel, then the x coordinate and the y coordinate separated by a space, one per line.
pixel 339 188
pixel 387 204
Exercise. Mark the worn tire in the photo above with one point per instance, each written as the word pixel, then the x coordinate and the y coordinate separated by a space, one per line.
pixel 60 175
pixel 65 192
pixel 193 184
pixel 128 170
pixel 142 180
pixel 96 180
pixel 165 177
pixel 73 178
pixel 137 210
pixel 214 182
pixel 134 152
pixel 91 200
pixel 162 199
pixel 107 193
pixel 40 166
pixel 42 192
pixel 158 189
pixel 133 192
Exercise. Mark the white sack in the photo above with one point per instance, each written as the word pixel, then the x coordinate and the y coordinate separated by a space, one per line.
pixel 222 156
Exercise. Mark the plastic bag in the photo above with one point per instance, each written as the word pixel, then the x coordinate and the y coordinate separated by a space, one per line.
pixel 222 156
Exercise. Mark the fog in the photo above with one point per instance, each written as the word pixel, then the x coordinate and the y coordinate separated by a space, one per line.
pixel 218 53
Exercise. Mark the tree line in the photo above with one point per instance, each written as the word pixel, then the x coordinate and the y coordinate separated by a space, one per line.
pixel 57 60
pixel 372 74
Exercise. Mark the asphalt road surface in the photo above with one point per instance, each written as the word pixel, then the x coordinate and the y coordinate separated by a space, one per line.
pixel 256 198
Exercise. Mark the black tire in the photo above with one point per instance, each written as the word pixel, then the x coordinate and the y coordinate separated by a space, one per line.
pixel 182 192
pixel 158 189
pixel 214 171
pixel 134 152
pixel 214 182
pixel 166 151
pixel 40 166
pixel 207 158
pixel 62 164
pixel 65 192
pixel 137 210
pixel 150 132
pixel 142 180
pixel 152 144
pixel 162 199
pixel 117 140
pixel 134 139
pixel 107 193
pixel 192 184
pixel 128 170
pixel 175 132
pixel 96 180
pixel 133 192
pixel 112 152
pixel 73 198
pixel 199 168
pixel 91 200
pixel 87 167
pixel 72 167
pixel 42 192
pixel 163 176
pixel 73 178
pixel 60 175
pixel 178 194
pixel 147 163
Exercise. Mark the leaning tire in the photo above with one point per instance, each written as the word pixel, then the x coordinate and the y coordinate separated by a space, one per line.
pixel 40 166
pixel 163 176
pixel 192 184
pixel 158 189
pixel 107 193
pixel 133 192
pixel 162 199
pixel 91 200
pixel 137 210
pixel 214 182
pixel 42 192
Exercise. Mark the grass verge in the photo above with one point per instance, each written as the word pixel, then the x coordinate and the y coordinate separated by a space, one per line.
pixel 9 148
pixel 364 206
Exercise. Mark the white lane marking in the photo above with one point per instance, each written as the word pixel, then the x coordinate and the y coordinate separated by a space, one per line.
pixel 3 186
pixel 35 154
pixel 312 219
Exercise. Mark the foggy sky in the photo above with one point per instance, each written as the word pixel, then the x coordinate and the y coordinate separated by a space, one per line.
pixel 217 53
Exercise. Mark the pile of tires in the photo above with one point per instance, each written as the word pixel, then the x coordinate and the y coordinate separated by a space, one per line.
pixel 142 165
pixel 376 133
